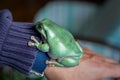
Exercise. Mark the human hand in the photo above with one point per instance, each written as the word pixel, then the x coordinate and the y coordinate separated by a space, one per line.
pixel 92 66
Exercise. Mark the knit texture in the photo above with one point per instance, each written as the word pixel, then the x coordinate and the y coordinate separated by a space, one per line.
pixel 14 49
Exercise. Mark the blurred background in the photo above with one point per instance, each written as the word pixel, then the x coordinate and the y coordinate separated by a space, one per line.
pixel 95 23
pixel 25 10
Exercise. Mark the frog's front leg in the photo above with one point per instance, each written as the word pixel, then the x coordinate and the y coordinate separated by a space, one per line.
pixel 41 46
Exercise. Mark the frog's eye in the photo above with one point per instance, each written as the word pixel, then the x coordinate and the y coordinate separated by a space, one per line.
pixel 39 26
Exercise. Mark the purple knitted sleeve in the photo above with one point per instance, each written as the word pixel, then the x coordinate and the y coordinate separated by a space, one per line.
pixel 14 37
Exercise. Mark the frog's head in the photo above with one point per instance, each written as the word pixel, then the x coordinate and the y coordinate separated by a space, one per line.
pixel 44 26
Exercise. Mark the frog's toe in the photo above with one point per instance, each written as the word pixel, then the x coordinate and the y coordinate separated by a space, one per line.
pixel 52 65
pixel 30 43
pixel 47 62
pixel 32 37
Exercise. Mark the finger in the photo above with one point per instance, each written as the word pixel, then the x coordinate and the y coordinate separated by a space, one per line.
pixel 110 60
pixel 86 50
pixel 101 57
pixel 112 70
pixel 116 71
pixel 89 51
pixel 106 59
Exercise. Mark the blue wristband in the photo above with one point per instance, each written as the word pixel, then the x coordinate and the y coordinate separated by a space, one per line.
pixel 39 63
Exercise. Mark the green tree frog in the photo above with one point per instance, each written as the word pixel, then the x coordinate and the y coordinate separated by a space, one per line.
pixel 59 43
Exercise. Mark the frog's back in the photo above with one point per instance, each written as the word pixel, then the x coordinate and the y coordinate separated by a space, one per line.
pixel 61 48
pixel 60 40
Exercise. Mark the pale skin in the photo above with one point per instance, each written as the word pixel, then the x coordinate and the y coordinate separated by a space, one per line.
pixel 92 66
